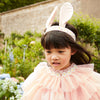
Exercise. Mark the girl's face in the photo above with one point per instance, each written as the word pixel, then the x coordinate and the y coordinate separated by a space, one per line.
pixel 58 58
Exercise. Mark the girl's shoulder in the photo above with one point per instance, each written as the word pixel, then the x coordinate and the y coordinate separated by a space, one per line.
pixel 82 68
pixel 90 66
pixel 40 66
pixel 39 69
pixel 85 67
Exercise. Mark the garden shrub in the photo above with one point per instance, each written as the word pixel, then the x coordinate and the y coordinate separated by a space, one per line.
pixel 86 26
pixel 97 40
pixel 22 57
pixel 6 5
pixel 96 62
pixel 9 90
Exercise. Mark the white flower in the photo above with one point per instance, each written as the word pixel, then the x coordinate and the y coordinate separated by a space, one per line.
pixel 11 89
pixel 4 86
pixel 18 96
pixel 12 98
pixel 32 42
pixel 11 86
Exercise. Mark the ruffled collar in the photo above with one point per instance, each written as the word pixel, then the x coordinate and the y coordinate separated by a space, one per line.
pixel 71 68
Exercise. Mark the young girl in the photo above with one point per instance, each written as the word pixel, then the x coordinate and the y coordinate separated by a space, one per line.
pixel 67 74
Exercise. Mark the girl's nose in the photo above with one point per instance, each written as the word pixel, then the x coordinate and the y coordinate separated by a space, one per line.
pixel 54 57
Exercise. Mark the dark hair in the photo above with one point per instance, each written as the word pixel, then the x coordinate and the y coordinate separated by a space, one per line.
pixel 59 39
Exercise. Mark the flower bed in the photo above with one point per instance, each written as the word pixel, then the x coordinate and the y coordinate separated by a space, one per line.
pixel 10 89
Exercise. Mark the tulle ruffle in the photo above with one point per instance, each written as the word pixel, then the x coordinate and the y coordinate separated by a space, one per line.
pixel 78 82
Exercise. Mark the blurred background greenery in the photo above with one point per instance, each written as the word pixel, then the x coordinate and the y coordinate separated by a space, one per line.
pixel 6 5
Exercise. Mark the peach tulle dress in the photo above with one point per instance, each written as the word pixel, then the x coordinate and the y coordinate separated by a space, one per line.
pixel 77 82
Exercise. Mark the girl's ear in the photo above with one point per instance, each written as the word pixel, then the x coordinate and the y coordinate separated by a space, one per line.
pixel 73 51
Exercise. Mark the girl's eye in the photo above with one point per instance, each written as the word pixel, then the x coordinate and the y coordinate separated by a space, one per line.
pixel 48 51
pixel 60 51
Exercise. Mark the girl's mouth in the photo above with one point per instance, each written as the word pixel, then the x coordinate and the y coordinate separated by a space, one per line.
pixel 56 63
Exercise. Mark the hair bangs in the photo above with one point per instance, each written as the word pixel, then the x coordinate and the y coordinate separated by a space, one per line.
pixel 55 40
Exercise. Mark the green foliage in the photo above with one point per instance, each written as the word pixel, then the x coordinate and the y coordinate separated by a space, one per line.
pixel 1 70
pixel 97 40
pixel 9 90
pixel 1 34
pixel 6 5
pixel 86 26
pixel 96 62
pixel 20 64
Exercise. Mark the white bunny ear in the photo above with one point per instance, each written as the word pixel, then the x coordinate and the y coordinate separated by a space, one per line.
pixel 66 13
pixel 51 18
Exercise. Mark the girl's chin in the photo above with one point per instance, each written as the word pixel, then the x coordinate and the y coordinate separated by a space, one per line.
pixel 56 67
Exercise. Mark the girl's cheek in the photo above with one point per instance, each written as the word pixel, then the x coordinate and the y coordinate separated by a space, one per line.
pixel 47 57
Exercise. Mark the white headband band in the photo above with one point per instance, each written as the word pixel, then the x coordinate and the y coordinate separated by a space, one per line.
pixel 59 28
pixel 66 12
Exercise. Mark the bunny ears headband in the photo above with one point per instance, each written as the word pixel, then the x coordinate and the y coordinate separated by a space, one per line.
pixel 66 12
